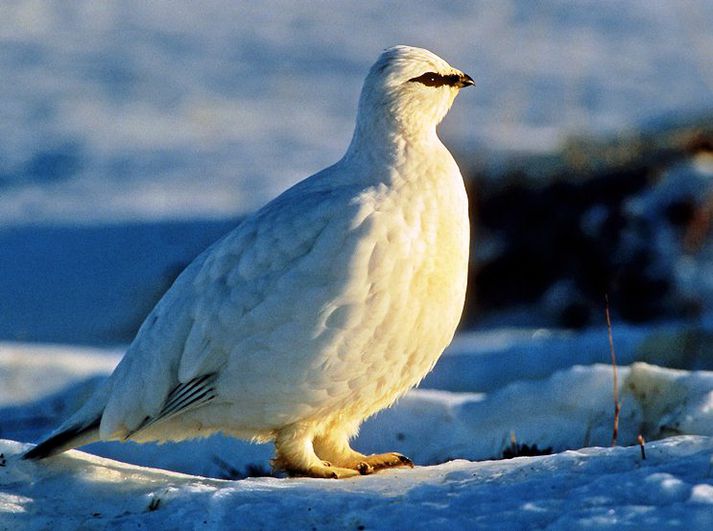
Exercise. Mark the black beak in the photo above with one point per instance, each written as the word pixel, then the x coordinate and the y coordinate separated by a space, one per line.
pixel 465 81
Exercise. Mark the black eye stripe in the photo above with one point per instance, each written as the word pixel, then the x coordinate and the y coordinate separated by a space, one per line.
pixel 434 79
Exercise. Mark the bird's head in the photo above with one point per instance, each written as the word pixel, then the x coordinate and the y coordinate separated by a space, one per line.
pixel 409 90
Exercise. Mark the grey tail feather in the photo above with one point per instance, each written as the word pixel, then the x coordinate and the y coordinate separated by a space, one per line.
pixel 65 440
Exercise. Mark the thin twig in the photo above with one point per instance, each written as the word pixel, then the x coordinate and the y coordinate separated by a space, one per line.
pixel 640 440
pixel 617 404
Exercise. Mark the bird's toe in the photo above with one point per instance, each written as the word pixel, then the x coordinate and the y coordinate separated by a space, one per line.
pixel 387 460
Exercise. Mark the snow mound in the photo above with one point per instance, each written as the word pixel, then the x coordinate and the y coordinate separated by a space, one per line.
pixel 571 409
pixel 596 488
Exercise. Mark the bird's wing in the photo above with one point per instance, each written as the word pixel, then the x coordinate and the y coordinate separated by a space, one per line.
pixel 239 298
pixel 184 397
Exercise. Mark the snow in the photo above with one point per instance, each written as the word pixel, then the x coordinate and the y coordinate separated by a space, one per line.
pixel 452 433
pixel 28 370
pixel 598 488
pixel 207 111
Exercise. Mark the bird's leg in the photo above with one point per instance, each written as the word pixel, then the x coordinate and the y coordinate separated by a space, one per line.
pixel 334 447
pixel 295 455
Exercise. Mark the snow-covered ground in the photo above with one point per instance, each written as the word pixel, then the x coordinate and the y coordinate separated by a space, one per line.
pixel 486 401
pixel 595 488
pixel 121 110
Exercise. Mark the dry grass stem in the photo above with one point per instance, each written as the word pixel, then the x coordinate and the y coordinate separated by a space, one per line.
pixel 617 404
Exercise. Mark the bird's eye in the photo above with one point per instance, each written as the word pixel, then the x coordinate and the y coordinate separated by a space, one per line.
pixel 434 79
pixel 430 79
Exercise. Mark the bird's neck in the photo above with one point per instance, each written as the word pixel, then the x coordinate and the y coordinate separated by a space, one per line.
pixel 390 143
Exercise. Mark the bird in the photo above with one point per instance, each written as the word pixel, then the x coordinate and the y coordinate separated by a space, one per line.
pixel 319 309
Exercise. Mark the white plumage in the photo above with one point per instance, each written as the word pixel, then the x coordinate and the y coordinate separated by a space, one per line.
pixel 318 310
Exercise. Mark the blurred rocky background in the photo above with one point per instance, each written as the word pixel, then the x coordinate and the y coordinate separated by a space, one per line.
pixel 628 217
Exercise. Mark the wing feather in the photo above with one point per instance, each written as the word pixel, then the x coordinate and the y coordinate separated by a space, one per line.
pixel 184 397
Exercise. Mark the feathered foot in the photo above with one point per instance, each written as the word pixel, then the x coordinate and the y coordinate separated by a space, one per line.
pixel 295 455
pixel 335 448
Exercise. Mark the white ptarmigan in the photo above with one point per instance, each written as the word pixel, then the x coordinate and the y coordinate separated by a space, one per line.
pixel 319 309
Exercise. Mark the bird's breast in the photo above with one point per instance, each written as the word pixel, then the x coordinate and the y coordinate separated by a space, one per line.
pixel 361 315
pixel 405 293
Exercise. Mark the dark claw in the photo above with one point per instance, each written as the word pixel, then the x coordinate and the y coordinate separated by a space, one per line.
pixel 405 460
pixel 364 468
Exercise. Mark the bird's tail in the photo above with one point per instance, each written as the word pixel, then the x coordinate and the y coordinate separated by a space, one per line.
pixel 71 437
